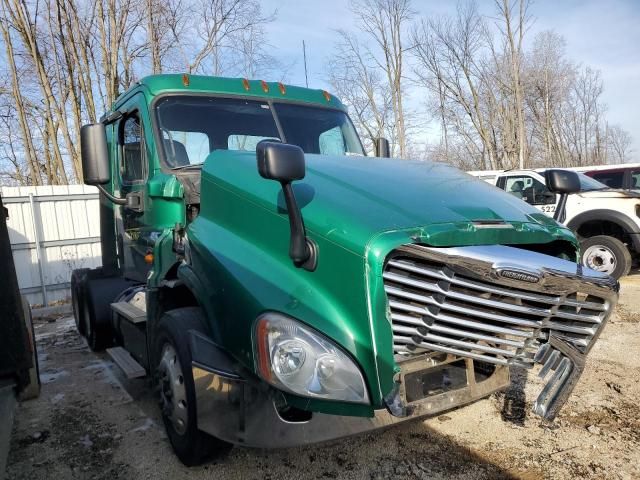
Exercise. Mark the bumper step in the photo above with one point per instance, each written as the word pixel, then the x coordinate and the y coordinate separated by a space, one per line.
pixel 126 362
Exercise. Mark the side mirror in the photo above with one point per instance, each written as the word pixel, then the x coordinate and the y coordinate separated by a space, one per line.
pixel 562 181
pixel 285 163
pixel 95 154
pixel 382 147
pixel 280 161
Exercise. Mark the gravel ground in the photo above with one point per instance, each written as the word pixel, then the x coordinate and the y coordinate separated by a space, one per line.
pixel 90 422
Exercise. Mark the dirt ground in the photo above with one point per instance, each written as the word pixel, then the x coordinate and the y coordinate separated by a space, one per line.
pixel 90 422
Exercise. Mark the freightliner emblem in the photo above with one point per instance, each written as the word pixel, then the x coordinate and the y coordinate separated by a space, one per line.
pixel 521 276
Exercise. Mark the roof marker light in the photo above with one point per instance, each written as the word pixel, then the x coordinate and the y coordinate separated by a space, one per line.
pixel 265 86
pixel 245 83
pixel 185 80
pixel 327 95
pixel 281 88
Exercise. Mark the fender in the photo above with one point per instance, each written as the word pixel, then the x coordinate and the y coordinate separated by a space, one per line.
pixel 190 279
pixel 620 219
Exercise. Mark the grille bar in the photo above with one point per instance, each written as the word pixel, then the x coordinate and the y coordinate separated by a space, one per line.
pixel 451 331
pixel 425 346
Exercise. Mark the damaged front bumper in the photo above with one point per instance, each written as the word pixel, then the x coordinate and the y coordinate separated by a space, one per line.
pixel 249 412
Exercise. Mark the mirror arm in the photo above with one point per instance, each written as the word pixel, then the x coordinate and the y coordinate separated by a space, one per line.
pixel 559 214
pixel 116 200
pixel 301 250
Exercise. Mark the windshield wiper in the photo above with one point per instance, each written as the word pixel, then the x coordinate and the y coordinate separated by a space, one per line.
pixel 187 167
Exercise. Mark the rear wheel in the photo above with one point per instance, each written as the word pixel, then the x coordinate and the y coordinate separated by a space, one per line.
pixel 99 294
pixel 177 390
pixel 78 282
pixel 606 254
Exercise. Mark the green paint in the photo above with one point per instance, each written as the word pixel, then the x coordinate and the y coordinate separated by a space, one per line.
pixel 357 210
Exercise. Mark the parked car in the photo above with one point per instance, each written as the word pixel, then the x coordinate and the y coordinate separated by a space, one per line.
pixel 606 220
pixel 626 176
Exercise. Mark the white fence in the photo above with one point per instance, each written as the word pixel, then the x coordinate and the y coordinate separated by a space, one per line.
pixel 53 230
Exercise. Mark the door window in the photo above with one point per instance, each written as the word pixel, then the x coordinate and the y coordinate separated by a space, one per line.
pixel 131 159
pixel 530 190
pixel 635 179
pixel 610 179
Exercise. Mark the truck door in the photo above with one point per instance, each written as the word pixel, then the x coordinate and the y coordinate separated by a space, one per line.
pixel 132 166
pixel 531 190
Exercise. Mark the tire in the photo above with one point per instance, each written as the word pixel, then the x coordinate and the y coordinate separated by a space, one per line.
pixel 606 254
pixel 99 294
pixel 177 391
pixel 78 283
pixel 32 389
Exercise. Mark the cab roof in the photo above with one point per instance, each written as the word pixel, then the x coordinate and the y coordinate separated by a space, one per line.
pixel 185 83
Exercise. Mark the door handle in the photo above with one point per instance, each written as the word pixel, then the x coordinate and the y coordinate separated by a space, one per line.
pixel 135 202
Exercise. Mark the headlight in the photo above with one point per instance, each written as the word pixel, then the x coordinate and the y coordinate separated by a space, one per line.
pixel 294 358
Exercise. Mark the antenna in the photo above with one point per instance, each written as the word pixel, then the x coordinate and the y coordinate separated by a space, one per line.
pixel 304 54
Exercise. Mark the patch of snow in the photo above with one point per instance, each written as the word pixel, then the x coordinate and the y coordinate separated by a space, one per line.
pixel 86 441
pixel 53 375
pixel 57 398
pixel 148 423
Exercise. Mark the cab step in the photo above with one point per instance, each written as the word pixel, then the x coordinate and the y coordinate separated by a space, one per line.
pixel 126 362
pixel 130 312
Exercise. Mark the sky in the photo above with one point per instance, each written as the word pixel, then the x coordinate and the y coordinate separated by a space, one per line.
pixel 604 34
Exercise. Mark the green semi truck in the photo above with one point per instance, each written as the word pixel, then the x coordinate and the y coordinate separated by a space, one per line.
pixel 282 288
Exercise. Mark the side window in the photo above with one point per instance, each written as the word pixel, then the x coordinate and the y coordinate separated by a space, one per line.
pixel 530 190
pixel 610 179
pixel 131 156
pixel 635 179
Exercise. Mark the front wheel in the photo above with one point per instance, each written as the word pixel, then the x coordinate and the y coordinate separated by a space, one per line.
pixel 606 254
pixel 177 390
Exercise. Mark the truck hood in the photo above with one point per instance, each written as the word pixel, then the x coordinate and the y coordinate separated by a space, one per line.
pixel 350 200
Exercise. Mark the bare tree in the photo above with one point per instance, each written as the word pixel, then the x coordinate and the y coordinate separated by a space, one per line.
pixel 452 65
pixel 20 112
pixel 67 60
pixel 222 21
pixel 619 143
pixel 513 26
pixel 384 23
pixel 356 80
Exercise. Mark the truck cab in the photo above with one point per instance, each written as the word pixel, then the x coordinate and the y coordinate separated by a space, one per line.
pixel 280 288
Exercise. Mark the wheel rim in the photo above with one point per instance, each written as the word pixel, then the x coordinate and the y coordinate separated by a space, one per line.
pixel 173 394
pixel 600 258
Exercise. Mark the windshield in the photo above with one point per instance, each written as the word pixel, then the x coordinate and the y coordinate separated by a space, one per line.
pixel 588 184
pixel 192 127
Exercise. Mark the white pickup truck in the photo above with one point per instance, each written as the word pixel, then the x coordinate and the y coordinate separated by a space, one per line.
pixel 606 220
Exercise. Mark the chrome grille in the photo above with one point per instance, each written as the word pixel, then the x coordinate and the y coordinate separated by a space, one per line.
pixel 441 301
